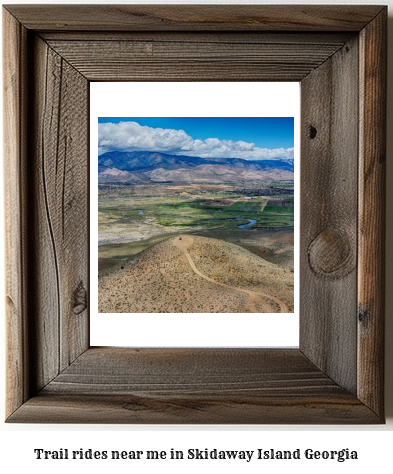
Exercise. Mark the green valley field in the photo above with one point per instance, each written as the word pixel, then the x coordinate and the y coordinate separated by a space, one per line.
pixel 136 219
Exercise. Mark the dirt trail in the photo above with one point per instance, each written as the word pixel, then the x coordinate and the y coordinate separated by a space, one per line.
pixel 255 297
pixel 263 205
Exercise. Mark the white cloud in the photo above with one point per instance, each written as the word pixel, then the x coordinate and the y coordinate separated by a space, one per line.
pixel 131 136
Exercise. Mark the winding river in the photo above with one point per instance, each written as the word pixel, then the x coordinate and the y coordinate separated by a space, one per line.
pixel 250 223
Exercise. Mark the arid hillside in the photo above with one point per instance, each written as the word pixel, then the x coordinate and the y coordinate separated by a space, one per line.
pixel 190 274
pixel 218 174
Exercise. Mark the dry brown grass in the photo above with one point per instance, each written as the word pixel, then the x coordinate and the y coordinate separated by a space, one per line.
pixel 161 280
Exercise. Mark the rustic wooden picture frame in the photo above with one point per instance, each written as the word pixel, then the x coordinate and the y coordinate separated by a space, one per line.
pixel 338 54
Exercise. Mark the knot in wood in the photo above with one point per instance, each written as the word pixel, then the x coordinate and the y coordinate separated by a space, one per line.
pixel 330 254
pixel 80 299
pixel 363 316
pixel 313 132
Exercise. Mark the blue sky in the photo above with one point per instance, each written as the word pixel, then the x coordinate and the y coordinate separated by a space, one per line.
pixel 265 132
pixel 230 137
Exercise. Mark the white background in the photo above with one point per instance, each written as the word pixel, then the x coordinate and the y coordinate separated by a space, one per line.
pixel 180 99
pixel 373 443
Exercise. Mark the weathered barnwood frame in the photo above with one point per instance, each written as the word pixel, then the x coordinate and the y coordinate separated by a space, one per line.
pixel 338 53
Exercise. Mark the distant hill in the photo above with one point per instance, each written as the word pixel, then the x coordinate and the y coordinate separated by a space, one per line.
pixel 147 166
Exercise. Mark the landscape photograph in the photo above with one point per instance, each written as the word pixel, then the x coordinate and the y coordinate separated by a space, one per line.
pixel 196 215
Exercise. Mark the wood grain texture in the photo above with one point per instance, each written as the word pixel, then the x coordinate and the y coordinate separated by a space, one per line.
pixel 328 251
pixel 195 17
pixel 59 175
pixel 216 60
pixel 371 262
pixel 14 73
pixel 186 371
pixel 201 37
pixel 239 409
pixel 195 385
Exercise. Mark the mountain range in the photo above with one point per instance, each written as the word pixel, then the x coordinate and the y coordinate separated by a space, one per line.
pixel 143 167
